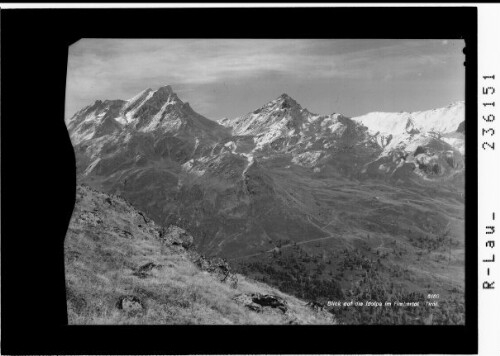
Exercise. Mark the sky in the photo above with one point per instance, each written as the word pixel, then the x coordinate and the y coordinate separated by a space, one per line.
pixel 231 77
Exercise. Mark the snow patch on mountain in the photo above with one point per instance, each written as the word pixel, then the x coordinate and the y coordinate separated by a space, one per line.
pixel 268 137
pixel 84 127
pixel 333 123
pixel 250 162
pixel 158 117
pixel 91 166
pixel 127 137
pixel 191 166
pixel 456 142
pixel 79 136
pixel 133 104
pixel 231 145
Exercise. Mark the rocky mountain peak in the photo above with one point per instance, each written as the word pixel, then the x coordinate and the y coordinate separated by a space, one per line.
pixel 165 94
pixel 166 88
pixel 286 102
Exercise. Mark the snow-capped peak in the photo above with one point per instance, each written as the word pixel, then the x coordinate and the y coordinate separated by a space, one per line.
pixel 406 130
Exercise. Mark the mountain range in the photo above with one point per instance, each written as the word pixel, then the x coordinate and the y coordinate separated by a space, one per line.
pixel 283 179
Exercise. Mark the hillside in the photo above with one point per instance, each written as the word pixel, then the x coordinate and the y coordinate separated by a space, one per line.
pixel 122 268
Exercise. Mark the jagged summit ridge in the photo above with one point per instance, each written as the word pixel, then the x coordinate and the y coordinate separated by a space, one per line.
pixel 155 100
pixel 283 102
pixel 148 111
pixel 287 98
pixel 279 112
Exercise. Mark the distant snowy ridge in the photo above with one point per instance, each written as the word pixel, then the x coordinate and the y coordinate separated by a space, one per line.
pixel 442 120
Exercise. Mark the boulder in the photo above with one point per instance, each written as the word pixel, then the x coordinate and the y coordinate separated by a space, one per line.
pixel 130 303
pixel 246 300
pixel 268 300
pixel 259 302
pixel 144 270
pixel 215 266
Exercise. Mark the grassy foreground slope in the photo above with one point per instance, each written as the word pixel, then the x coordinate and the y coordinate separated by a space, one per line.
pixel 122 268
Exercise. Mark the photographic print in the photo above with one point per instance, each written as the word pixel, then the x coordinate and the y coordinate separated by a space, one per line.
pixel 267 181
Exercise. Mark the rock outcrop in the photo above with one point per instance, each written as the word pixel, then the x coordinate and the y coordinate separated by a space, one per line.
pixel 174 235
pixel 259 302
pixel 217 267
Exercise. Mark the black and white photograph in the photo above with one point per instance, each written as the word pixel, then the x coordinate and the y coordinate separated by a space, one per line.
pixel 266 181
pixel 249 178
